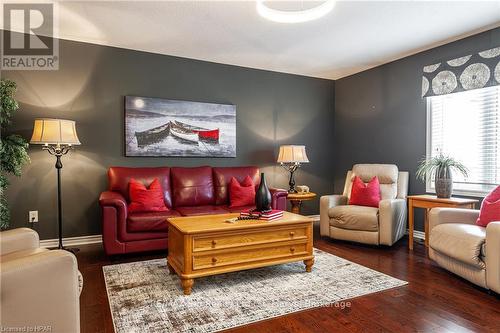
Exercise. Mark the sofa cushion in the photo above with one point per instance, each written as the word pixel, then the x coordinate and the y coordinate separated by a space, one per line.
pixel 462 242
pixel 222 177
pixel 387 175
pixel 241 194
pixel 354 217
pixel 119 178
pixel 192 186
pixel 146 199
pixel 237 209
pixel 202 210
pixel 149 221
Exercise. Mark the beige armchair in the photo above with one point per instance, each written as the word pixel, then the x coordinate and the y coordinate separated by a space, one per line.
pixel 457 244
pixel 370 225
pixel 39 289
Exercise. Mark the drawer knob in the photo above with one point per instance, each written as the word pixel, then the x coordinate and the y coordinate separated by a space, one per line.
pixel 214 260
pixel 292 233
pixel 214 242
pixel 292 249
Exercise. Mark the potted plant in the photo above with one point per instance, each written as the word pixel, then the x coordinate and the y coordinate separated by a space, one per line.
pixel 13 147
pixel 441 167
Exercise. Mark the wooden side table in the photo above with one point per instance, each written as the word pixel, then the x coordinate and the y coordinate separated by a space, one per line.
pixel 296 200
pixel 431 201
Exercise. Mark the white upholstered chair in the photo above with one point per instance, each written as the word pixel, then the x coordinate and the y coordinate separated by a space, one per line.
pixel 382 225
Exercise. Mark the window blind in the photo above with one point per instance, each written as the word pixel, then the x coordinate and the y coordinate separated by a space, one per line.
pixel 466 126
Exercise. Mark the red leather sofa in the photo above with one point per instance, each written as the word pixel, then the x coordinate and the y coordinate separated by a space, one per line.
pixel 187 192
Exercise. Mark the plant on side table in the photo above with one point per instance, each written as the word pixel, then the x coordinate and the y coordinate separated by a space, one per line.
pixel 13 147
pixel 441 167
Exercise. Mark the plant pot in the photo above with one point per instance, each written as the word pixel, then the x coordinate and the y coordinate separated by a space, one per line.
pixel 263 196
pixel 443 182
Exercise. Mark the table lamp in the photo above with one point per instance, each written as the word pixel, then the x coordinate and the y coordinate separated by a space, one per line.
pixel 58 136
pixel 290 157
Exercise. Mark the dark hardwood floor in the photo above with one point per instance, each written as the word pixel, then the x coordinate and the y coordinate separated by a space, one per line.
pixel 433 301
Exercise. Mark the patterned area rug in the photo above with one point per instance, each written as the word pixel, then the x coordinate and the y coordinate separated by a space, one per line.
pixel 144 298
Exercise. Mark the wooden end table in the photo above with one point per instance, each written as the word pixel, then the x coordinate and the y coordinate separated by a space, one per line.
pixel 427 202
pixel 296 200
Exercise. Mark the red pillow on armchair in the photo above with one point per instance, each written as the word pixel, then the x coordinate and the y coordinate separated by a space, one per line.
pixel 241 194
pixel 365 194
pixel 490 208
pixel 144 199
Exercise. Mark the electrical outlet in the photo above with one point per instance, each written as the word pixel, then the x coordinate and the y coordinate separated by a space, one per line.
pixel 33 216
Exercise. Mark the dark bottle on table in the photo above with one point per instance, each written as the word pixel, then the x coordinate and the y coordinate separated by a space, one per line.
pixel 263 196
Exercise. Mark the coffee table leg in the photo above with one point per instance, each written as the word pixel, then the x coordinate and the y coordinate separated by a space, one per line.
pixel 187 284
pixel 309 264
pixel 170 268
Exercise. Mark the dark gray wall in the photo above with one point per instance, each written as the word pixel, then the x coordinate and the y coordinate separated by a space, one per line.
pixel 380 116
pixel 272 109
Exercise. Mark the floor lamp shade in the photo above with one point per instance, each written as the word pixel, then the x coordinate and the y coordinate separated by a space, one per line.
pixel 54 131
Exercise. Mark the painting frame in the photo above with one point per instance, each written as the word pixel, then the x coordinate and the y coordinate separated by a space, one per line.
pixel 162 127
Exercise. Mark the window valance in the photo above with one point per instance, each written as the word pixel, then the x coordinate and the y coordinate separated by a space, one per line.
pixel 472 71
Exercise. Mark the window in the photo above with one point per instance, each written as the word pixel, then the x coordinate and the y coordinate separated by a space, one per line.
pixel 466 126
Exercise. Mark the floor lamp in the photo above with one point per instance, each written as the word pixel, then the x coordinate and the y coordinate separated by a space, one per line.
pixel 58 136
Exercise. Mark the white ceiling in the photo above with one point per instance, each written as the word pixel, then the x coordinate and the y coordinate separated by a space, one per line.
pixel 354 37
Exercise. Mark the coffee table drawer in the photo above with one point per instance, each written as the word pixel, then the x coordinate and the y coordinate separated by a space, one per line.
pixel 205 243
pixel 203 261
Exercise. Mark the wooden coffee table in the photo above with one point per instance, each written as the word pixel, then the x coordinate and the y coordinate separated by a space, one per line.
pixel 207 245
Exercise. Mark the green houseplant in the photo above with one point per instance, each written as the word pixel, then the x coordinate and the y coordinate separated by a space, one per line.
pixel 13 147
pixel 441 167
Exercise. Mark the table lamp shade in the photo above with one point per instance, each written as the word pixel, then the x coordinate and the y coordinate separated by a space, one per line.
pixel 292 154
pixel 54 131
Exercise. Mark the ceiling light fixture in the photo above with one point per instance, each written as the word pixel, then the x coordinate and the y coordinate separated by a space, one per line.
pixel 294 16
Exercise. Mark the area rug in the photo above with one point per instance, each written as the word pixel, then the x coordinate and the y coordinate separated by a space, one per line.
pixel 143 297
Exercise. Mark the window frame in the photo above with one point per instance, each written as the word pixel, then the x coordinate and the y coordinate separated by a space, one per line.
pixel 429 187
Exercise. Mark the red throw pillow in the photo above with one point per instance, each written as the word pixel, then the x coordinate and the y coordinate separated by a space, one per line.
pixel 365 194
pixel 144 199
pixel 490 208
pixel 241 194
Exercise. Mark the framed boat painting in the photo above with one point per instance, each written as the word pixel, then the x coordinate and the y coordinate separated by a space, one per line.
pixel 166 128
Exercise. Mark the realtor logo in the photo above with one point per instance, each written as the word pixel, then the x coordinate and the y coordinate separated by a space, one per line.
pixel 27 32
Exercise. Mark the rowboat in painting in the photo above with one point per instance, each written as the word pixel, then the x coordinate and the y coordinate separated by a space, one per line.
pixel 152 135
pixel 204 134
pixel 183 133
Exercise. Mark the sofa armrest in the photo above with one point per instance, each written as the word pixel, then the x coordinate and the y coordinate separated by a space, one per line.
pixel 493 256
pixel 278 198
pixel 114 217
pixel 326 202
pixel 17 240
pixel 110 198
pixel 439 216
pixel 392 220
pixel 41 290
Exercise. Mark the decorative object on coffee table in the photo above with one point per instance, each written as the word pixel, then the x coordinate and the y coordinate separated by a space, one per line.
pixel 441 167
pixel 58 137
pixel 290 157
pixel 296 200
pixel 206 245
pixel 263 196
pixel 431 201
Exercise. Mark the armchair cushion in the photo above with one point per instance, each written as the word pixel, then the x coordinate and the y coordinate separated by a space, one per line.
pixel 387 175
pixel 354 217
pixel 490 208
pixel 365 194
pixel 462 242
pixel 17 240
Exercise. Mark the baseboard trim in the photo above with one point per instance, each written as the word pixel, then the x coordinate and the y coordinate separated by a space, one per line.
pixel 72 241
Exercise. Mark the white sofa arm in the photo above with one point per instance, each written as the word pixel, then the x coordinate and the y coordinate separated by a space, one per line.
pixel 392 220
pixel 493 256
pixel 41 290
pixel 326 202
pixel 439 216
pixel 17 240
